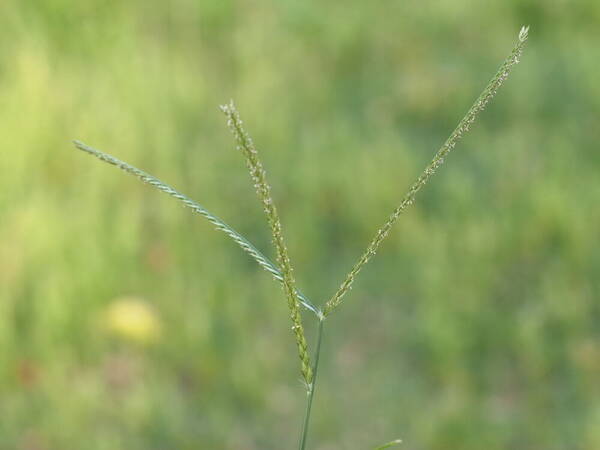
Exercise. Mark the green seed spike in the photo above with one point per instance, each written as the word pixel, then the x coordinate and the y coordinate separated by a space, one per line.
pixel 259 177
pixel 408 199
pixel 262 260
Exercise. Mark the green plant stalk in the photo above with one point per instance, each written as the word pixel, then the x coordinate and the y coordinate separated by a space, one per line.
pixel 311 392
pixel 246 245
pixel 462 127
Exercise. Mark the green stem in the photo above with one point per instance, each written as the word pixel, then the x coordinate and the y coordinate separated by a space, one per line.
pixel 311 391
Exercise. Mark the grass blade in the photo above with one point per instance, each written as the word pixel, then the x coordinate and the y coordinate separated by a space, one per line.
pixel 389 444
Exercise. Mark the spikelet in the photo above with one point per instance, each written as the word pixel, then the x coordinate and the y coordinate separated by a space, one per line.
pixel 463 126
pixel 258 174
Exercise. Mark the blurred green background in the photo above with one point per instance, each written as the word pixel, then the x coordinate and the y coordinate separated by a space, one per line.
pixel 126 322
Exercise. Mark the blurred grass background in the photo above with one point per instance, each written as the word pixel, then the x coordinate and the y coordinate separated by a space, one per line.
pixel 126 322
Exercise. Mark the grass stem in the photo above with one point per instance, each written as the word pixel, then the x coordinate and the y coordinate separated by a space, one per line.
pixel 311 391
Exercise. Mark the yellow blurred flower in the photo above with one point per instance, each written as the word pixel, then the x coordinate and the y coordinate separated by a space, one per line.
pixel 133 319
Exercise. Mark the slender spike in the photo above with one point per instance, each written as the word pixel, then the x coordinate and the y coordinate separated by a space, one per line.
pixel 259 177
pixel 463 126
pixel 220 225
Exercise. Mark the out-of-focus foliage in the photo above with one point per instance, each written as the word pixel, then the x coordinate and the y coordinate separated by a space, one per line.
pixel 475 327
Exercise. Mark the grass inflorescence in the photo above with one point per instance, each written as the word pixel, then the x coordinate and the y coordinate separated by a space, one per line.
pixel 282 271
